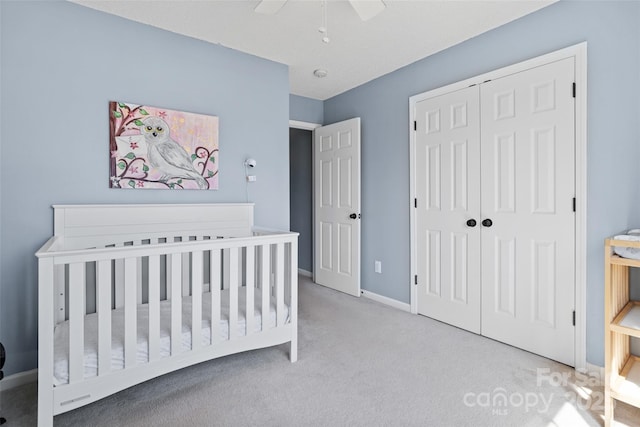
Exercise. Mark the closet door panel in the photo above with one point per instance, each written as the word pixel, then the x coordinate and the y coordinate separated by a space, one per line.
pixel 528 156
pixel 448 195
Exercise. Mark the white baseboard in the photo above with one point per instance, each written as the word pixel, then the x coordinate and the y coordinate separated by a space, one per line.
pixel 387 301
pixel 305 273
pixel 595 371
pixel 19 379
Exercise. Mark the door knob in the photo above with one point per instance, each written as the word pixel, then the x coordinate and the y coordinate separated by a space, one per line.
pixel 471 223
pixel 487 222
pixel 353 216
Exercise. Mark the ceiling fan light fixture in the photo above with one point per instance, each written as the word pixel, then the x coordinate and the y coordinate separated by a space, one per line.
pixel 324 28
pixel 320 73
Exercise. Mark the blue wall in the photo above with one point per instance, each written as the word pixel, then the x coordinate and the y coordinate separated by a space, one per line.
pixel 306 109
pixel 61 65
pixel 613 35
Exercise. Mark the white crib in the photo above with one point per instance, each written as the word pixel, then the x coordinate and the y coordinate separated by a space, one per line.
pixel 130 292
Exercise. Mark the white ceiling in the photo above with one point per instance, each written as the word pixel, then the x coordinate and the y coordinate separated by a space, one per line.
pixel 358 52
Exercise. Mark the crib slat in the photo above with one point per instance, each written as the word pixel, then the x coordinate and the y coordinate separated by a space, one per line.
pixel 249 287
pixel 265 268
pixel 103 275
pixel 76 321
pixel 176 303
pixel 287 270
pixel 293 298
pixel 185 271
pixel 130 315
pixel 139 281
pixel 167 274
pixel 59 312
pixel 225 269
pixel 196 300
pixel 214 287
pixel 119 282
pixel 280 312
pixel 233 293
pixel 154 307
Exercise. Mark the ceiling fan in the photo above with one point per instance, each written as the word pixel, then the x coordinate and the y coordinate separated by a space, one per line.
pixel 366 9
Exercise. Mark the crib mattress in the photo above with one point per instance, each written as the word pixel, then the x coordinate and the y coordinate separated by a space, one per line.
pixel 61 333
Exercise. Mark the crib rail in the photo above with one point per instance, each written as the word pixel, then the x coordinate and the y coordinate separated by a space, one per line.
pixel 257 272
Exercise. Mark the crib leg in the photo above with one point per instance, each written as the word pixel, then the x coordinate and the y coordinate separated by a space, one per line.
pixel 45 408
pixel 293 350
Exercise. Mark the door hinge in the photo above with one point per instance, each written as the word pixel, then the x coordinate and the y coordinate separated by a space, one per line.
pixel 415 203
pixel 574 318
pixel 574 89
pixel 574 204
pixel 415 279
pixel 415 125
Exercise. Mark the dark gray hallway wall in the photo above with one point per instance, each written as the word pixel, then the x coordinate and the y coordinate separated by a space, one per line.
pixel 300 195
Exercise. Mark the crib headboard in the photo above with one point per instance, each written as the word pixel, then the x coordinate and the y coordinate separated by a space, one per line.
pixel 82 225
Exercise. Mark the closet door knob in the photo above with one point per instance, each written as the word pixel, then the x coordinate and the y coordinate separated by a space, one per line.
pixel 487 222
pixel 471 223
pixel 353 216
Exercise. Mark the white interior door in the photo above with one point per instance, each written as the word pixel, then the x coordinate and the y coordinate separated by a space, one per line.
pixel 528 188
pixel 448 208
pixel 337 206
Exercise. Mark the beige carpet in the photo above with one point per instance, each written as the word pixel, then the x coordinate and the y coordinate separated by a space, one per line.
pixel 360 364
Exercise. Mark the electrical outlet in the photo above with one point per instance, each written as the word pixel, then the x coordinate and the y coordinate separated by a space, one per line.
pixel 377 266
pixel 251 178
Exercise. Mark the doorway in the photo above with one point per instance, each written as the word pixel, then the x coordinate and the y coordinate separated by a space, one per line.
pixel 301 195
pixel 324 168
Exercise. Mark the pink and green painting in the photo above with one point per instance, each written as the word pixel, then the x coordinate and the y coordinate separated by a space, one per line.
pixel 158 148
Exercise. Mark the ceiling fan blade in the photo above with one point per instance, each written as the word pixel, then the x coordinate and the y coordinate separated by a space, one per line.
pixel 269 7
pixel 367 9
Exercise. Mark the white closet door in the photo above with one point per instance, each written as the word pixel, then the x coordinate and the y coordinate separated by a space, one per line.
pixel 528 252
pixel 448 196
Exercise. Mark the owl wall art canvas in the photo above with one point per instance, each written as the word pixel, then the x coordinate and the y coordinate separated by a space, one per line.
pixel 158 148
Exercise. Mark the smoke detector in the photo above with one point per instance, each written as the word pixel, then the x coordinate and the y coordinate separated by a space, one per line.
pixel 320 73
